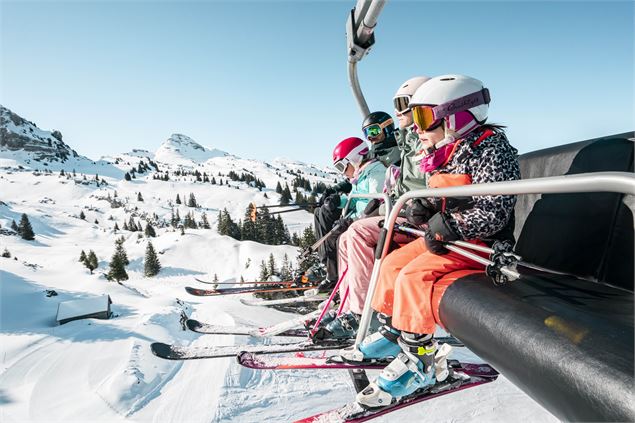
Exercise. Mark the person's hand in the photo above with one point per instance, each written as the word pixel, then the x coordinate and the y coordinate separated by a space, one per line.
pixel 437 232
pixel 343 223
pixel 372 208
pixel 332 202
pixel 418 212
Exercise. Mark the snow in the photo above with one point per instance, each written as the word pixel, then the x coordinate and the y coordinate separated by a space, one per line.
pixel 76 308
pixel 103 370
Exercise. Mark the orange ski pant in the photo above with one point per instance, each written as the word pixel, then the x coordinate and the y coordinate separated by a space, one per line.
pixel 411 285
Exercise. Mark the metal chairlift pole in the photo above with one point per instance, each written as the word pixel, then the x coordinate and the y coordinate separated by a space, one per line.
pixel 360 29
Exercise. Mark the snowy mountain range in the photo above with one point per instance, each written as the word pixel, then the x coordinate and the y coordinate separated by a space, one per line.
pixel 103 370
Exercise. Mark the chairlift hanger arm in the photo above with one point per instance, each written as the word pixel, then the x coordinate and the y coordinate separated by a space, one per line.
pixel 360 29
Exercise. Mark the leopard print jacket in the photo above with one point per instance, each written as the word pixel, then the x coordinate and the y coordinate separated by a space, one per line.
pixel 492 160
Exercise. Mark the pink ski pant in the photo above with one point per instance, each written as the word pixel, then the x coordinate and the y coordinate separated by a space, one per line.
pixel 356 252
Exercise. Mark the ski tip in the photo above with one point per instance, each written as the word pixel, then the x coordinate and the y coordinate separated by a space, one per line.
pixel 193 324
pixel 160 349
pixel 198 292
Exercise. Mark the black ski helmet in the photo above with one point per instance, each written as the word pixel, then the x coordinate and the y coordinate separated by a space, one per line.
pixel 383 119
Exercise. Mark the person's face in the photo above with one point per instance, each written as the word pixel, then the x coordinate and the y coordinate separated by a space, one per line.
pixel 405 119
pixel 379 138
pixel 350 171
pixel 431 137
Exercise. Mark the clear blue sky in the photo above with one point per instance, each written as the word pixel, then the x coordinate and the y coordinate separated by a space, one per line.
pixel 265 79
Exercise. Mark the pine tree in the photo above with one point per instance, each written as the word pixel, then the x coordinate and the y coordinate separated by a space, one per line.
pixel 151 265
pixel 285 198
pixel 125 226
pixel 91 261
pixel 149 231
pixel 14 226
pixel 132 226
pixel 279 188
pixel 82 257
pixel 264 273
pixel 118 263
pixel 122 252
pixel 204 221
pixel 191 202
pixel 6 253
pixel 271 265
pixel 82 215
pixel 308 237
pixel 116 228
pixel 24 229
pixel 178 199
pixel 139 196
pixel 127 178
pixel 285 270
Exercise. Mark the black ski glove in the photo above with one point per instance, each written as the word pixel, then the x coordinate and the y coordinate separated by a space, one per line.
pixel 342 225
pixel 372 208
pixel 344 187
pixel 332 202
pixel 419 211
pixel 439 230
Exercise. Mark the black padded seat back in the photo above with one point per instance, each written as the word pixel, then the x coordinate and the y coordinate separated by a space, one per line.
pixel 589 235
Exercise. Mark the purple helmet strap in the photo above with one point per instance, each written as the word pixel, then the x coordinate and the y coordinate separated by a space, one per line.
pixel 461 104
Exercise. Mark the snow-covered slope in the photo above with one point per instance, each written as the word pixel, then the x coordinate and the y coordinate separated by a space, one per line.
pixel 103 370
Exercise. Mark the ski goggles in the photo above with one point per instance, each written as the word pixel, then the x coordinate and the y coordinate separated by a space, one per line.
pixel 374 130
pixel 401 104
pixel 428 117
pixel 341 165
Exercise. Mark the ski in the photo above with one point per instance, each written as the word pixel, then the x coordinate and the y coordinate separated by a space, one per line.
pixel 245 283
pixel 262 332
pixel 230 291
pixel 477 374
pixel 301 299
pixel 175 352
pixel 298 361
pixel 200 327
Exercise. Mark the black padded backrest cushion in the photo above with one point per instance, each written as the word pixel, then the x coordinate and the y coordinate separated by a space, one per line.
pixel 589 235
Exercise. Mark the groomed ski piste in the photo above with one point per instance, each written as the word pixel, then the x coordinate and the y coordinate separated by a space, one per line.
pixel 103 370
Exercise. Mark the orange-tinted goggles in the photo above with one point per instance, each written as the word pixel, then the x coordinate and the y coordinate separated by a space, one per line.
pixel 425 118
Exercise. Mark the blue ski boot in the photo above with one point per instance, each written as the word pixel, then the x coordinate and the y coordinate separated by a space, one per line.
pixel 343 326
pixel 412 370
pixel 378 346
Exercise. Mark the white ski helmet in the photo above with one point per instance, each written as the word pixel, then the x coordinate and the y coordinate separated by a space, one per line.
pixel 405 92
pixel 445 88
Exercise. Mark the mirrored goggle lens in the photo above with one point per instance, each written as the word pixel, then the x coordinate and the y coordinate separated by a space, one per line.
pixel 423 117
pixel 340 165
pixel 372 131
pixel 401 104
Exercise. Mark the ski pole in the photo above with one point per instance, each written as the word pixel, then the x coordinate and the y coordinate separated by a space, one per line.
pixel 283 205
pixel 289 211
pixel 313 248
pixel 456 247
pixel 328 302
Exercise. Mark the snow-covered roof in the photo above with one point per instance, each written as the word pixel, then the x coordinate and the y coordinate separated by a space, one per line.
pixel 83 307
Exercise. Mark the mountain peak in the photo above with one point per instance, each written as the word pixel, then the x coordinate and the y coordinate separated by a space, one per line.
pixel 181 149
pixel 20 135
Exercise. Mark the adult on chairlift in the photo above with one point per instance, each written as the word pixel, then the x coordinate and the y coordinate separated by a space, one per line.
pixel 366 175
pixel 379 130
pixel 450 113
